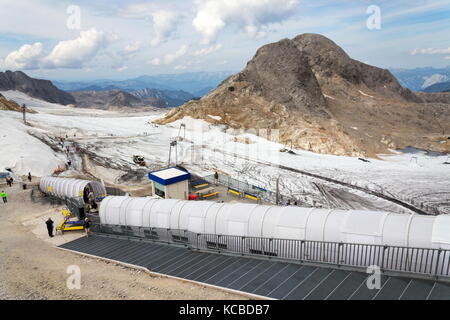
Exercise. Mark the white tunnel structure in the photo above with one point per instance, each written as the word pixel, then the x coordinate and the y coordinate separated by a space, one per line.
pixel 252 220
pixel 71 188
pixel 266 223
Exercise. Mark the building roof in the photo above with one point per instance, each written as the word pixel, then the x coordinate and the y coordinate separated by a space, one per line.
pixel 169 176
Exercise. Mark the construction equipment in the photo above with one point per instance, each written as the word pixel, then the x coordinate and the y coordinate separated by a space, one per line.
pixel 139 160
pixel 69 225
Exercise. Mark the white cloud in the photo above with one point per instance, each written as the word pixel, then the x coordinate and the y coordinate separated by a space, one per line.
pixel 171 57
pixel 123 68
pixel 180 67
pixel 164 25
pixel 75 53
pixel 132 48
pixel 252 16
pixel 165 20
pixel 26 58
pixel 155 62
pixel 430 51
pixel 447 57
pixel 206 51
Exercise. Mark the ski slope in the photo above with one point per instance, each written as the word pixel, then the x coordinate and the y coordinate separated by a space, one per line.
pixel 112 138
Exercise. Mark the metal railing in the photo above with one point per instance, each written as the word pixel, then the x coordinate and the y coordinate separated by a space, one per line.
pixel 413 261
pixel 262 193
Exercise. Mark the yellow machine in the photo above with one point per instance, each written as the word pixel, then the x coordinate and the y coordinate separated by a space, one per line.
pixel 67 224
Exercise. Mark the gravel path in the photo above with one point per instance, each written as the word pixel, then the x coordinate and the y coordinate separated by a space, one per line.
pixel 32 268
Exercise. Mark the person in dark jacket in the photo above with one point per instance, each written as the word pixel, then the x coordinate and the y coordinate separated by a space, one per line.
pixel 87 226
pixel 216 178
pixel 29 176
pixel 49 224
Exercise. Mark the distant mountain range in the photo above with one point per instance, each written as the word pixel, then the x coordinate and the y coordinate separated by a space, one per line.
pixel 172 98
pixel 421 78
pixel 106 99
pixel 195 83
pixel 144 91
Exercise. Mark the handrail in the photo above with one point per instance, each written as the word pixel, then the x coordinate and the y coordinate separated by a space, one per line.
pixel 414 261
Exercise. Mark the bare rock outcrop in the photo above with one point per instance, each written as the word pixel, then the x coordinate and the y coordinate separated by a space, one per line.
pixel 36 88
pixel 319 98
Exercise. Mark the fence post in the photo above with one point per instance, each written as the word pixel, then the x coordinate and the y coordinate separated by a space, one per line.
pixel 339 254
pixel 437 262
pixel 382 257
pixel 302 242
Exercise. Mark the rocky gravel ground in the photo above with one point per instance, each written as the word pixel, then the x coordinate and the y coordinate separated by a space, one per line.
pixel 31 268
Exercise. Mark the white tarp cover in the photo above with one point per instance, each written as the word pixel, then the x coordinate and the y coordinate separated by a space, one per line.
pixel 296 223
pixel 70 188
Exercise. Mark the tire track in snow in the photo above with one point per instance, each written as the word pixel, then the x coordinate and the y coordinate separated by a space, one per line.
pixel 330 180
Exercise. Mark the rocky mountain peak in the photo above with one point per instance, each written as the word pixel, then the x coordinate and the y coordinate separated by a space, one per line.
pixel 322 100
pixel 332 66
pixel 36 88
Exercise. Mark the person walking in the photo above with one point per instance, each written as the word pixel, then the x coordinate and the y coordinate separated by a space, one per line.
pixel 49 224
pixel 4 197
pixel 9 181
pixel 29 176
pixel 216 178
pixel 87 226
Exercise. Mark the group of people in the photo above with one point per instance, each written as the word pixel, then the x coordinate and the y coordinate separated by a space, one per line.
pixel 9 181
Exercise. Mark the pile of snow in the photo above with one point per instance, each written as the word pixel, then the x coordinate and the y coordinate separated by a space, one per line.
pixel 365 94
pixel 218 118
pixel 23 153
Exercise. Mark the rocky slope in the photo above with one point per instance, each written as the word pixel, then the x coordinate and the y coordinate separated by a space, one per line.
pixel 11 105
pixel 36 88
pixel 310 90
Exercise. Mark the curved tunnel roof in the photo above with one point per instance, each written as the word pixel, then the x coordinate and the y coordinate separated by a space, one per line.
pixel 252 220
pixel 70 188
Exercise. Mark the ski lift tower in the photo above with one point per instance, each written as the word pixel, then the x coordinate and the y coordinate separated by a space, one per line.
pixel 184 131
pixel 173 144
pixel 24 112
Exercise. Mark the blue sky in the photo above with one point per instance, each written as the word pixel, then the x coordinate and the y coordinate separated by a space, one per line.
pixel 81 40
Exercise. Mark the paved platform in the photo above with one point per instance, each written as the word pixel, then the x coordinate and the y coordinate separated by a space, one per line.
pixel 277 280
